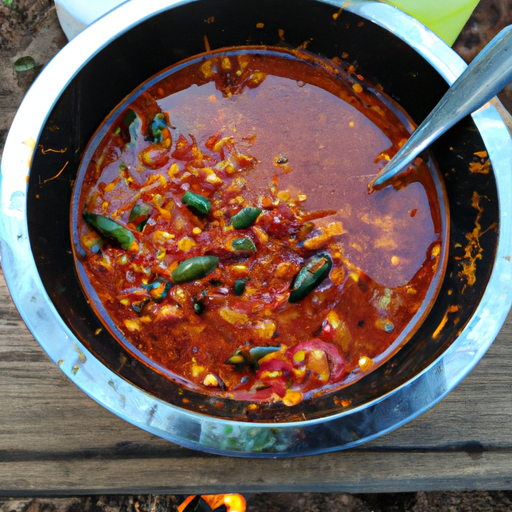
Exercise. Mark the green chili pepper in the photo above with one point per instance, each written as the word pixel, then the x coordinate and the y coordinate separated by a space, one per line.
pixel 157 126
pixel 194 268
pixel 239 287
pixel 199 307
pixel 158 289
pixel 138 306
pixel 250 357
pixel 245 217
pixel 110 229
pixel 238 357
pixel 243 244
pixel 198 202
pixel 258 352
pixel 129 117
pixel 137 212
pixel 310 276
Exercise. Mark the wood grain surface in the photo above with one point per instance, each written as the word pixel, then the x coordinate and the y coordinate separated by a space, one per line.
pixel 56 440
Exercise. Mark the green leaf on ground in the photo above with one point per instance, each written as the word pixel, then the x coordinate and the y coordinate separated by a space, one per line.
pixel 24 63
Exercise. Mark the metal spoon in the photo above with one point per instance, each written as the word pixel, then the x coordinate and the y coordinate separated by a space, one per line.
pixel 487 75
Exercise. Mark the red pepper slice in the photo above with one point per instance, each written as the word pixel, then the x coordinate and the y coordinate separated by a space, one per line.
pixel 277 383
pixel 337 364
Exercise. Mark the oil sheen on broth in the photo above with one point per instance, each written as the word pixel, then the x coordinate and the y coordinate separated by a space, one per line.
pixel 225 234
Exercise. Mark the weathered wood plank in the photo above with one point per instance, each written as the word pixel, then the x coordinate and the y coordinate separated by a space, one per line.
pixel 352 471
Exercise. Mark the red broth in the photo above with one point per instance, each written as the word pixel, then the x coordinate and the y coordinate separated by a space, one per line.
pixel 225 234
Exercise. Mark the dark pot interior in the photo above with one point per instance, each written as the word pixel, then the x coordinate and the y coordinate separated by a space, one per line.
pixel 179 33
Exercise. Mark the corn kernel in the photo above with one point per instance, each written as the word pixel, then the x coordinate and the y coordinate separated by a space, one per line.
pixel 207 69
pixel 365 363
pixel 173 169
pixel 210 381
pixel 283 195
pixel 299 356
pixel 292 397
pixel 272 375
pixel 265 329
pixel 232 316
pixel 180 295
pixel 132 325
pixel 213 179
pixel 240 270
pixel 161 237
pixel 197 370
pixel 186 243
pixel 333 319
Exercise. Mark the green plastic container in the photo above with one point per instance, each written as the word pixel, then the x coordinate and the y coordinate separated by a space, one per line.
pixel 445 17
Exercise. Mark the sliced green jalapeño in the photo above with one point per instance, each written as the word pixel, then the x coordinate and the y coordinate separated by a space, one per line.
pixel 250 357
pixel 110 229
pixel 194 268
pixel 140 215
pixel 197 202
pixel 239 287
pixel 158 125
pixel 243 244
pixel 158 289
pixel 245 217
pixel 310 276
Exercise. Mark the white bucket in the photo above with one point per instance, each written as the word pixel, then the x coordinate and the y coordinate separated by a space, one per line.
pixel 75 15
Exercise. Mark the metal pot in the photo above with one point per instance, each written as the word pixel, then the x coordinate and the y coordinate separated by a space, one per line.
pixel 102 65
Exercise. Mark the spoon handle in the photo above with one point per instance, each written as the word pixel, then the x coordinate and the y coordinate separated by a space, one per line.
pixel 487 75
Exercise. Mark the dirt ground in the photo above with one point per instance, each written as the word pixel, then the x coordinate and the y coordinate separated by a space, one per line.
pixel 498 501
pixel 30 28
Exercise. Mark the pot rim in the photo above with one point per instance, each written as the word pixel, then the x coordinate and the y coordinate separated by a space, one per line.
pixel 170 422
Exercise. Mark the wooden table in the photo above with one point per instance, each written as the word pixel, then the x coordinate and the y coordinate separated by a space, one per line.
pixel 56 440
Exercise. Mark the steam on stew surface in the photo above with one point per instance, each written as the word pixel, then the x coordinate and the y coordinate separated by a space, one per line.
pixel 227 237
